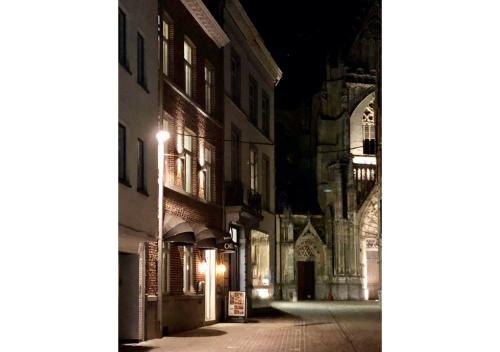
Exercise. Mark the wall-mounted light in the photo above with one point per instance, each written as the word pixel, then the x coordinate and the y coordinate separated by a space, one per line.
pixel 202 268
pixel 327 188
pixel 162 136
pixel 221 269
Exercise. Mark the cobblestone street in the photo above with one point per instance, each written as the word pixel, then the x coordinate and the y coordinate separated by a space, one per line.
pixel 298 327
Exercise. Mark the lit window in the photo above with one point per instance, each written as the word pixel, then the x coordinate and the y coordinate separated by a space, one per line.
pixel 188 67
pixel 166 40
pixel 253 170
pixel 187 266
pixel 188 160
pixel 260 259
pixel 209 89
pixel 368 129
pixel 207 173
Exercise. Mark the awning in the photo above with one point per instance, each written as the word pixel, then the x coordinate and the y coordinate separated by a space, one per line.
pixel 177 230
pixel 225 243
pixel 205 237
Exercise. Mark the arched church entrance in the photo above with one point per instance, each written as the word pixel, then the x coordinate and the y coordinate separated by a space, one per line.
pixel 309 256
pixel 369 238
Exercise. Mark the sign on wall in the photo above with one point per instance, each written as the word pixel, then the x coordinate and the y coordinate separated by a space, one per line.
pixel 237 306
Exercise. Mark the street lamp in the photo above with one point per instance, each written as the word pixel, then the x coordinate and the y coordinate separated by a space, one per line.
pixel 162 136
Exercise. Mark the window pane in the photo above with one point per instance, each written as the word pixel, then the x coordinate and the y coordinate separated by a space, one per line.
pixel 122 151
pixel 188 53
pixel 188 173
pixel 165 57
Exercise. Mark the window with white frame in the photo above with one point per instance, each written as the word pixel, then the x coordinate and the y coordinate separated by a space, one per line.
pixel 209 89
pixel 188 68
pixel 188 160
pixel 208 155
pixel 266 113
pixel 165 45
pixel 253 170
pixel 187 269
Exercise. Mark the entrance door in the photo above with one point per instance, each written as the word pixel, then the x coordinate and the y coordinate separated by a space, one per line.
pixel 305 287
pixel 373 274
pixel 128 297
pixel 210 285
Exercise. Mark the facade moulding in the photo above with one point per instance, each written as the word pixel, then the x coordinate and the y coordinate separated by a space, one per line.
pixel 254 39
pixel 206 21
pixel 190 101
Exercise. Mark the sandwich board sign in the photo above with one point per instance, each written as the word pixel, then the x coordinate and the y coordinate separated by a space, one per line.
pixel 237 305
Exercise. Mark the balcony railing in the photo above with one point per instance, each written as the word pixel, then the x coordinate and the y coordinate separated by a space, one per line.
pixel 364 179
pixel 234 196
pixel 255 201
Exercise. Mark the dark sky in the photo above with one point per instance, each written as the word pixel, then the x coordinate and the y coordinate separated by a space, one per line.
pixel 299 34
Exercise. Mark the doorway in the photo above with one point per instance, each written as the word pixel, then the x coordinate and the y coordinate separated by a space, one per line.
pixel 372 274
pixel 305 280
pixel 128 297
pixel 210 285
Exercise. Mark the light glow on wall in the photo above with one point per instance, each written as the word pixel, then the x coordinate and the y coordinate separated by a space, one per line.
pixel 203 267
pixel 365 160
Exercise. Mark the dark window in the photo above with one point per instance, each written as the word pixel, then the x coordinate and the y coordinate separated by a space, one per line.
pixel 141 181
pixel 188 67
pixel 141 76
pixel 253 102
pixel 122 153
pixel 266 182
pixel 209 89
pixel 266 111
pixel 235 155
pixel 235 78
pixel 122 38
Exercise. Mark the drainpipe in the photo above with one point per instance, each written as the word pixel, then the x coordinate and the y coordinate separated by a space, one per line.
pixel 161 165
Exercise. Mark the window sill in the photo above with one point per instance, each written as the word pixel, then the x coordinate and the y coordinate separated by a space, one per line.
pixel 143 191
pixel 125 67
pixel 124 182
pixel 143 86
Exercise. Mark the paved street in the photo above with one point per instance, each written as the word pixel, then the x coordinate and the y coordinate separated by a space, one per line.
pixel 297 327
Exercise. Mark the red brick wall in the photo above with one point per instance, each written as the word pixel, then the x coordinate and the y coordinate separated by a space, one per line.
pixel 151 266
pixel 186 115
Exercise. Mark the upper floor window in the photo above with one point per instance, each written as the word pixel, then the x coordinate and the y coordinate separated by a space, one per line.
pixel 166 47
pixel 253 102
pixel 188 68
pixel 209 89
pixel 253 170
pixel 266 182
pixel 368 125
pixel 207 172
pixel 141 69
pixel 235 154
pixel 122 38
pixel 187 160
pixel 141 179
pixel 122 153
pixel 235 78
pixel 266 114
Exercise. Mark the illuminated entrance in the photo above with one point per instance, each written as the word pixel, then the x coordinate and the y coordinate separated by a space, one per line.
pixel 210 285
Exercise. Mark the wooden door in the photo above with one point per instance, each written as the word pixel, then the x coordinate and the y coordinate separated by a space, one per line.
pixel 305 284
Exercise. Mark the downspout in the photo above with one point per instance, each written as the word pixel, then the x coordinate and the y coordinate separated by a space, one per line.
pixel 159 265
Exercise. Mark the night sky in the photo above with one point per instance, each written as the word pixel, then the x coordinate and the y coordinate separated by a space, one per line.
pixel 299 34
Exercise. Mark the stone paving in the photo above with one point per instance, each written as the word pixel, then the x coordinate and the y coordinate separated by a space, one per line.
pixel 297 327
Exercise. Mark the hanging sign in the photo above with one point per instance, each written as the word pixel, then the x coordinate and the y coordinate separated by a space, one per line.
pixel 237 306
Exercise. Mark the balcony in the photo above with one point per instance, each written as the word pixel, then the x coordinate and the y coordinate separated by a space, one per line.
pixel 364 180
pixel 255 201
pixel 235 197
